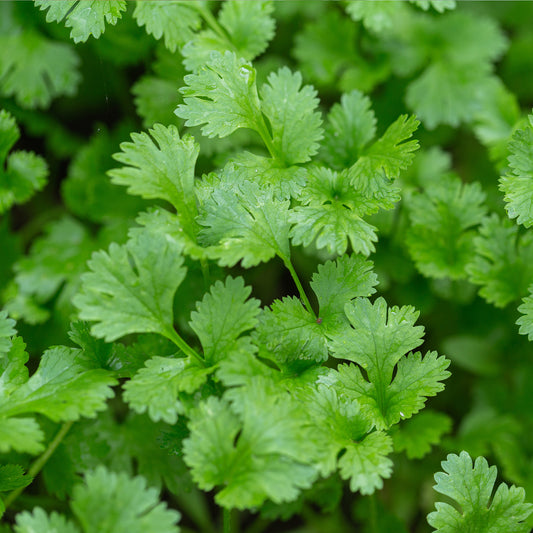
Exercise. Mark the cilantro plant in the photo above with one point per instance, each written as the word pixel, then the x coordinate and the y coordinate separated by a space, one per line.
pixel 266 266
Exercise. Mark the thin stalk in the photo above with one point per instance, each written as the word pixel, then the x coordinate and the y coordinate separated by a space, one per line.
pixel 39 463
pixel 226 521
pixel 205 273
pixel 262 129
pixel 172 335
pixel 299 285
pixel 212 22
pixel 373 513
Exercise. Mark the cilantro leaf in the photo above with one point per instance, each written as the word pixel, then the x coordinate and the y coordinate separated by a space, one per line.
pixel 39 521
pixel 125 297
pixel 351 125
pixel 337 426
pixel 115 503
pixel 221 97
pixel 245 28
pixel 382 161
pixel 7 330
pixel 155 388
pixel 291 110
pixel 376 16
pixel 84 17
pixel 164 170
pixel 526 320
pixel 13 477
pixel 175 21
pixel 437 5
pixel 502 264
pixel 471 487
pixel 331 214
pixel 518 183
pixel 244 222
pixel 441 237
pixel 377 341
pixel 256 448
pixel 217 334
pixel 416 435
pixel 22 173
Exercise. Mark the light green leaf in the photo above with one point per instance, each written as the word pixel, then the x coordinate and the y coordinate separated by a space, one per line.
pixel 351 125
pixel 130 288
pixel 39 521
pixel 526 320
pixel 503 263
pixel 85 17
pixel 7 330
pixel 376 16
pixel 116 503
pixel 471 487
pixel 243 222
pixel 223 315
pixel 294 121
pixel 222 96
pixel 21 435
pixel 518 183
pixel 174 21
pixel 164 170
pixel 437 5
pixel 441 237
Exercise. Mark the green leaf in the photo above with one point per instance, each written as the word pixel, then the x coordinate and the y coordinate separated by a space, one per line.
pixel 243 222
pixel 22 173
pixel 416 435
pixel 223 315
pixel 39 521
pixel 337 282
pixel 66 386
pixel 393 386
pixel 115 503
pixel 21 435
pixel 382 162
pixel 503 261
pixel 256 448
pixel 174 21
pixel 351 125
pixel 13 477
pixel 294 121
pixel 437 5
pixel 441 237
pixel 526 320
pixel 222 96
pixel 518 183
pixel 35 70
pixel 164 170
pixel 155 388
pixel 130 288
pixel 376 16
pixel 331 214
pixel 289 332
pixel 471 487
pixel 246 29
pixel 7 330
pixel 84 17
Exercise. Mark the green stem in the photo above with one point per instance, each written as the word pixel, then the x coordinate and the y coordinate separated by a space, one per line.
pixel 205 273
pixel 172 335
pixel 262 129
pixel 212 22
pixel 39 463
pixel 226 520
pixel 373 513
pixel 299 285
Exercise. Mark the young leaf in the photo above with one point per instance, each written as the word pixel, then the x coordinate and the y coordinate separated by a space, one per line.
pixel 331 214
pixel 164 170
pixel 503 261
pixel 175 21
pixel 222 96
pixel 376 16
pixel 291 110
pixel 351 125
pixel 131 288
pixel 244 222
pixel 518 183
pixel 39 521
pixel 246 29
pixel 472 488
pixel 256 448
pixel 441 238
pixel 377 341
pixel 224 314
pixel 116 503
pixel 85 17
pixel 22 173
pixel 526 320
pixel 7 330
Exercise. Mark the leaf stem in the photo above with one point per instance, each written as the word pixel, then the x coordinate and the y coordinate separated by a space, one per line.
pixel 299 285
pixel 212 22
pixel 174 336
pixel 227 521
pixel 262 129
pixel 39 463
pixel 205 273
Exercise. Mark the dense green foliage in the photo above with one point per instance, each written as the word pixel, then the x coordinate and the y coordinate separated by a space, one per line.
pixel 266 266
